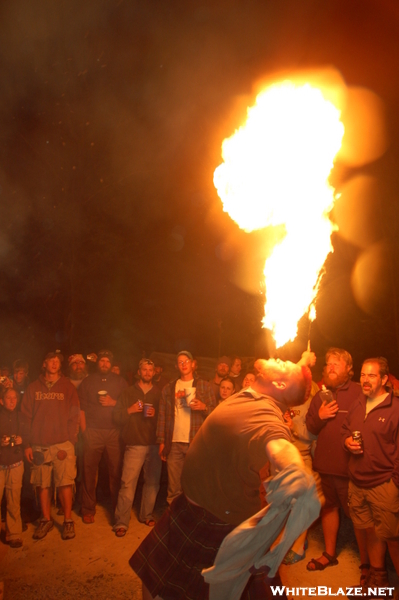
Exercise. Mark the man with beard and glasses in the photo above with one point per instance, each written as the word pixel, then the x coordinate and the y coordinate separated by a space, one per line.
pixel 98 394
pixel 136 413
pixel 374 470
pixel 327 412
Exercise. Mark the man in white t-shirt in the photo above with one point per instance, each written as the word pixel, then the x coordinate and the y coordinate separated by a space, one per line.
pixel 185 404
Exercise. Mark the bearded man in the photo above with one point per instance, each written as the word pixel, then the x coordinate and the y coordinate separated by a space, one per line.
pixel 77 369
pixel 373 470
pixel 98 394
pixel 327 412
pixel 220 482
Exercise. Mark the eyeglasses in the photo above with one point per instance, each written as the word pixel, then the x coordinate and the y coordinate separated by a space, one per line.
pixel 182 363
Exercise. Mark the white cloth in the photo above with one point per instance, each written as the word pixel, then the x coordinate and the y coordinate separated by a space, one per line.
pixel 181 430
pixel 292 501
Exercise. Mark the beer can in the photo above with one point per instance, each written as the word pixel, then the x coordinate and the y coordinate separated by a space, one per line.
pixel 357 437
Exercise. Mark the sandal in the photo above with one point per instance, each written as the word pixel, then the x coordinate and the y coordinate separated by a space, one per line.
pixel 120 532
pixel 319 566
pixel 292 557
pixel 149 522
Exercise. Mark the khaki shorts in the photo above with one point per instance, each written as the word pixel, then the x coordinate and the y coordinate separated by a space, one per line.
pixel 64 470
pixel 376 507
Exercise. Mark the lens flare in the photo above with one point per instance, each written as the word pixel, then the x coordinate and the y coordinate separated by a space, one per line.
pixel 275 173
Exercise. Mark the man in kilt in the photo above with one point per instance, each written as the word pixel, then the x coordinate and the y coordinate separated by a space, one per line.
pixel 220 482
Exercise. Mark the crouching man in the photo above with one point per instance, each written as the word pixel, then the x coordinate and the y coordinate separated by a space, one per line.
pixel 49 421
pixel 221 481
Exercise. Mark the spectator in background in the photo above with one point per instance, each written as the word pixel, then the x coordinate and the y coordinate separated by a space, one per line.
pixel 5 371
pixel 226 388
pixel 159 379
pixel 326 414
pixel 77 373
pixel 136 412
pixel 77 369
pixel 235 372
pixel 185 404
pixel 116 368
pixel 49 425
pixel 20 382
pixel 222 370
pixel 248 380
pixel 304 441
pixel 373 470
pixel 98 394
pixel 11 465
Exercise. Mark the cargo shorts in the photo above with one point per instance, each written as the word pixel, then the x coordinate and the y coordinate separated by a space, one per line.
pixel 376 507
pixel 64 469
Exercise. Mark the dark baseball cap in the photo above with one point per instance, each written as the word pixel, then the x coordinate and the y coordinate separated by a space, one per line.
pixel 106 354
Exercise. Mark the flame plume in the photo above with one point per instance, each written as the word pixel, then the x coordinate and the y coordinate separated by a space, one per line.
pixel 275 172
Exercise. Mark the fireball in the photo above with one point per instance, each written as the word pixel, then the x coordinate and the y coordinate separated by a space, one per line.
pixel 276 173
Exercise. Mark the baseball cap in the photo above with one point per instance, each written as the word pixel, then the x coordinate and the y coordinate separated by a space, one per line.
pixel 185 353
pixel 76 358
pixel 106 354
pixel 225 360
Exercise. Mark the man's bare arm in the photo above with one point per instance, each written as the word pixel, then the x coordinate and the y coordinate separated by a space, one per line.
pixel 282 453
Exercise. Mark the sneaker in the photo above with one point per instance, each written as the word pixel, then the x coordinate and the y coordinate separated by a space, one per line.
pixel 15 543
pixel 68 531
pixel 43 529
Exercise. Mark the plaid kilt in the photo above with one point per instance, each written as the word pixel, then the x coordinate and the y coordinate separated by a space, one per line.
pixel 183 542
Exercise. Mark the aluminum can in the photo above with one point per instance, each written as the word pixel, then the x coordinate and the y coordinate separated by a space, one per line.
pixel 357 437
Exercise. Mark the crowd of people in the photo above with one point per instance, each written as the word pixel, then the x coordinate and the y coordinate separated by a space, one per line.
pixel 337 439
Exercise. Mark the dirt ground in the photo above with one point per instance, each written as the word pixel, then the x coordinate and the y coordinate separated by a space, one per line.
pixel 94 565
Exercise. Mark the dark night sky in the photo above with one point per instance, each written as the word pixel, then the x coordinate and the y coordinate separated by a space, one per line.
pixel 112 116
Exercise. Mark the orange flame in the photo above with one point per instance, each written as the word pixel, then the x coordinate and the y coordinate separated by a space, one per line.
pixel 275 172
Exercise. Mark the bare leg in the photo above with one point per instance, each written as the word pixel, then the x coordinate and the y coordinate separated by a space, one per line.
pixel 45 501
pixel 298 545
pixel 330 525
pixel 65 495
pixel 361 538
pixel 376 549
